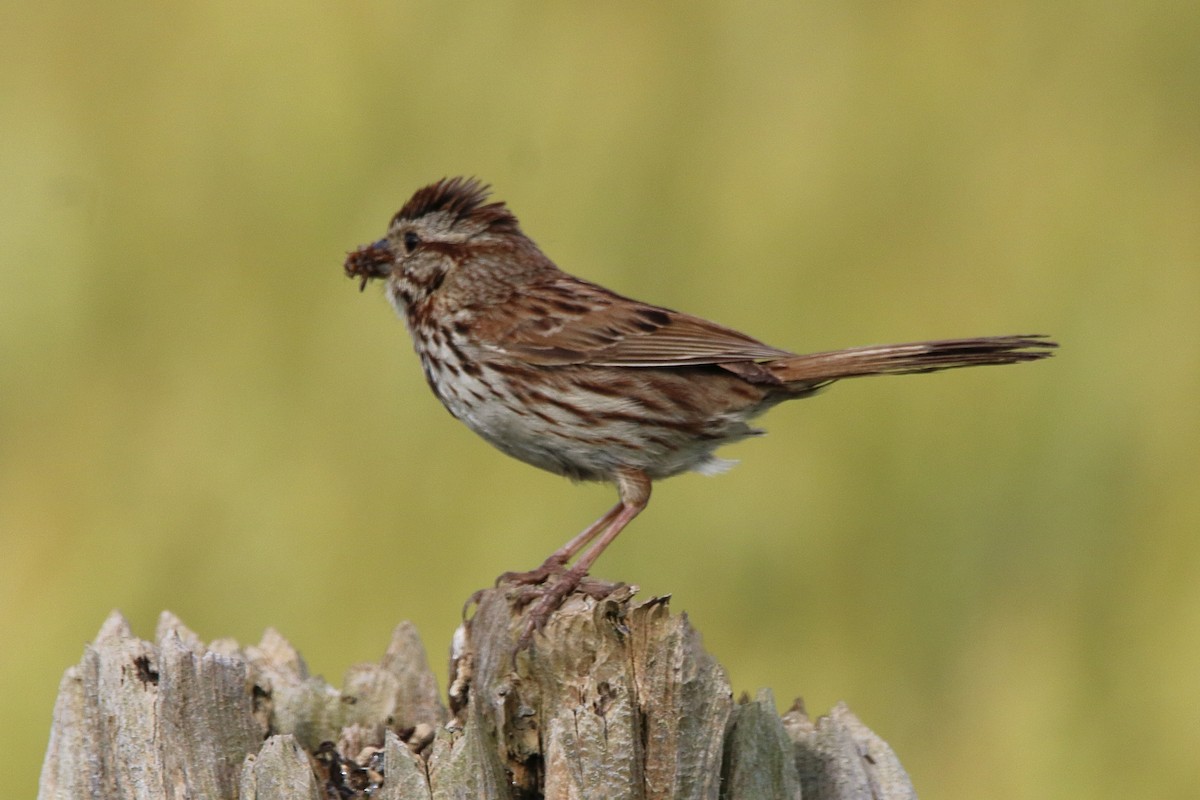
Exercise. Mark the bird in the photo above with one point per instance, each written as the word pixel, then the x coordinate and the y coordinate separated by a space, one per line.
pixel 575 379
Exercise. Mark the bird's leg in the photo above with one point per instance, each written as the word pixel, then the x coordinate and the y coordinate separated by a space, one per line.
pixel 634 488
pixel 559 558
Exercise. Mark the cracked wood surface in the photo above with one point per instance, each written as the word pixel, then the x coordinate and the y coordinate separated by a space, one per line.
pixel 615 699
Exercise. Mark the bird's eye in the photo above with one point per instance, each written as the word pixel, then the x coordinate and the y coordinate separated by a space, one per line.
pixel 411 240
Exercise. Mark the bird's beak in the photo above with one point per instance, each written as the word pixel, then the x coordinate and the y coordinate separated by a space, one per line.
pixel 369 261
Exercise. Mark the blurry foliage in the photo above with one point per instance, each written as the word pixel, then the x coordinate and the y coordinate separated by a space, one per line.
pixel 998 569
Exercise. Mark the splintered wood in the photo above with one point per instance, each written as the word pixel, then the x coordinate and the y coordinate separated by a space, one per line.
pixel 615 699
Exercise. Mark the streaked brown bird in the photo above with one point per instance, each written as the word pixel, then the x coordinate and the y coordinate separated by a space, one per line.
pixel 568 376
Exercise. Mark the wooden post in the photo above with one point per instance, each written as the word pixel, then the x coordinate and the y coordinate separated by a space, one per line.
pixel 615 699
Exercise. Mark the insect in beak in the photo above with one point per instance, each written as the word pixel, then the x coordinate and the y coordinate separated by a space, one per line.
pixel 369 261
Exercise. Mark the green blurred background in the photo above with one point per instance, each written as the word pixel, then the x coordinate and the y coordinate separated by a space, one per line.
pixel 998 569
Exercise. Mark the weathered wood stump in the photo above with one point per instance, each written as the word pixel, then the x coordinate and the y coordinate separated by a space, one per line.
pixel 615 699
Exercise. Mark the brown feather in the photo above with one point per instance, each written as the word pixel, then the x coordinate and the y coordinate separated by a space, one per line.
pixel 898 359
pixel 599 327
pixel 462 199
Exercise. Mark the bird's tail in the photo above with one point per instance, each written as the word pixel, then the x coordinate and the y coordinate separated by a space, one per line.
pixel 817 369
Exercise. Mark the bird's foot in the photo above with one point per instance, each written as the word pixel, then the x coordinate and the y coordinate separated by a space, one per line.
pixel 554 565
pixel 550 596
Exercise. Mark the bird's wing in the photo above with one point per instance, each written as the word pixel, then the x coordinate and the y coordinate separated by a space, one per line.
pixel 570 321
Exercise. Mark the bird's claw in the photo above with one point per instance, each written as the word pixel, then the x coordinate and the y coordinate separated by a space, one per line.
pixel 550 597
pixel 554 565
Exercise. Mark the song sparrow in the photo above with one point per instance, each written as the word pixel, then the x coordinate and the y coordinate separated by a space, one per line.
pixel 578 380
